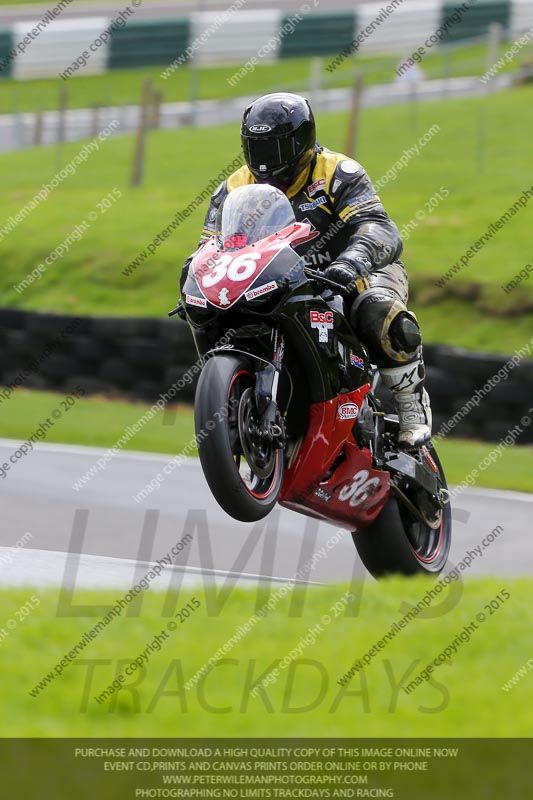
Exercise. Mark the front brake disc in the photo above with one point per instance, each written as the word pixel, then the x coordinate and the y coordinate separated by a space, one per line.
pixel 259 453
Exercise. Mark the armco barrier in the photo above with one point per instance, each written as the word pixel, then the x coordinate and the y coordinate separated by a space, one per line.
pixel 318 34
pixel 236 40
pixel 477 19
pixel 236 36
pixel 139 357
pixel 521 17
pixel 145 43
pixel 404 30
pixel 58 46
pixel 6 44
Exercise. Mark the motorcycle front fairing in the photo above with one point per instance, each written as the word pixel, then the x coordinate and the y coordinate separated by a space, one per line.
pixel 218 279
pixel 254 288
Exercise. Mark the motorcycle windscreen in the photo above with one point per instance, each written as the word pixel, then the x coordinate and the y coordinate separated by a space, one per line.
pixel 251 213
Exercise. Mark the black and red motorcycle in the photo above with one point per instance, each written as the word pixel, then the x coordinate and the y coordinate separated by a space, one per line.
pixel 286 408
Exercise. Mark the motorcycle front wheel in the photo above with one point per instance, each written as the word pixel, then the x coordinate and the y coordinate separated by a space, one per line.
pixel 243 472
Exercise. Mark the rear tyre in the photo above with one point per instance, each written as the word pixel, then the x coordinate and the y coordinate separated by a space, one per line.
pixel 398 543
pixel 243 473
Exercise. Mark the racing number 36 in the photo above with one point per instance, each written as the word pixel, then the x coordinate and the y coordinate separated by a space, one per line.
pixel 360 488
pixel 235 268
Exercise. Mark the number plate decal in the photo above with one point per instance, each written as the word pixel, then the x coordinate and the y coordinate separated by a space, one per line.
pixel 223 278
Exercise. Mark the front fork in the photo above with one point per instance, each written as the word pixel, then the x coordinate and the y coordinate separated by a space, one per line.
pixel 266 392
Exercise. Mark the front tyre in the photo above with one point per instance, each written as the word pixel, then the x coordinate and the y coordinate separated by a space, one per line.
pixel 243 472
pixel 399 543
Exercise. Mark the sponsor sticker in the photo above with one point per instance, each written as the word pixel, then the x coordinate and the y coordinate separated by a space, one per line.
pixel 191 300
pixel 317 259
pixel 427 455
pixel 320 201
pixel 316 186
pixel 235 240
pixel 322 318
pixel 223 297
pixel 323 495
pixel 363 198
pixel 260 290
pixel 348 411
pixel 355 361
pixel 324 322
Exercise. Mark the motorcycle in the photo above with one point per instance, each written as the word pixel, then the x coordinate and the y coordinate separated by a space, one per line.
pixel 287 408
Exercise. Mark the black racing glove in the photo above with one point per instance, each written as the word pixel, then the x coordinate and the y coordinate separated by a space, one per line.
pixel 350 274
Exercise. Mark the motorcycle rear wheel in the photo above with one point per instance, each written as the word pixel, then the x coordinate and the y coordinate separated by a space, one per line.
pixel 243 473
pixel 398 543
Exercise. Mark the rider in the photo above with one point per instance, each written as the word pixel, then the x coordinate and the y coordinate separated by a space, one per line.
pixel 352 234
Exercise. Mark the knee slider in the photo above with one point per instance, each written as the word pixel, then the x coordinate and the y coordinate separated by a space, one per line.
pixel 404 333
pixel 390 332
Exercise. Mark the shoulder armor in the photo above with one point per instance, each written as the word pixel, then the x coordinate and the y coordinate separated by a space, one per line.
pixel 347 168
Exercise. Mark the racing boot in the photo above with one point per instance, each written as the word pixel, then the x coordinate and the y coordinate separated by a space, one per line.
pixel 406 383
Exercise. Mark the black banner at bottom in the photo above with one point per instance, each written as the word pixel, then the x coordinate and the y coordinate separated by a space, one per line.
pixel 405 769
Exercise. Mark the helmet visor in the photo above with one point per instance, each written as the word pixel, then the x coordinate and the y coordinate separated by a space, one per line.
pixel 268 153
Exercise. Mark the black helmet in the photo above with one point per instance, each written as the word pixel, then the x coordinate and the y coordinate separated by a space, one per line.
pixel 278 137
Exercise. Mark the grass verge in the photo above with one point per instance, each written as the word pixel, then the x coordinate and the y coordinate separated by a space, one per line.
pixel 89 278
pixel 124 87
pixel 100 422
pixel 463 697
